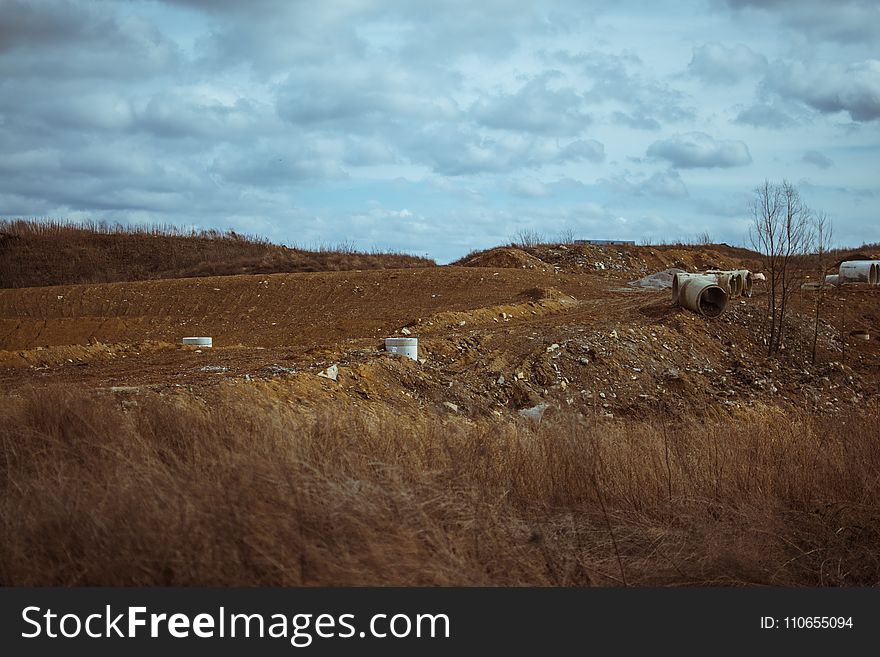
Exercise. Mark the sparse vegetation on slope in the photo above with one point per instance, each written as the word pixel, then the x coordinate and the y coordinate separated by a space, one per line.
pixel 39 253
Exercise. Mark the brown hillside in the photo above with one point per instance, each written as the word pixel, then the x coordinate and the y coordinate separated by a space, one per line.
pixel 34 254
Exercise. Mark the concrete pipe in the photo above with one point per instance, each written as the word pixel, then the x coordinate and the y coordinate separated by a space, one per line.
pixel 746 278
pixel 726 280
pixel 860 271
pixel 678 280
pixel 832 279
pixel 199 342
pixel 702 295
pixel 736 284
pixel 408 347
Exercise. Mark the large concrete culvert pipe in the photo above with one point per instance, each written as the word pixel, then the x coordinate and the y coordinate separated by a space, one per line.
pixel 702 295
pixel 729 281
pixel 678 280
pixel 736 284
pixel 860 271
pixel 746 278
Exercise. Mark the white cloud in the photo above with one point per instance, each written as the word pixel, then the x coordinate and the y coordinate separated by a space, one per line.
pixel 716 63
pixel 764 115
pixel 538 107
pixel 853 88
pixel 699 150
pixel 452 151
pixel 818 159
pixel 842 21
pixel 528 188
pixel 661 183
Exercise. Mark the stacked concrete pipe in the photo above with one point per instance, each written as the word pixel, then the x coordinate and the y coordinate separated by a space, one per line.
pixel 746 280
pixel 731 281
pixel 860 271
pixel 700 293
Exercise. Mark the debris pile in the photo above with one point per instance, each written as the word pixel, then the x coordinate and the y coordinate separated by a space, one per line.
pixel 661 280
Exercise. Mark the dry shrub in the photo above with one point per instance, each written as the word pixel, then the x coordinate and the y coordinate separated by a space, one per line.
pixel 246 491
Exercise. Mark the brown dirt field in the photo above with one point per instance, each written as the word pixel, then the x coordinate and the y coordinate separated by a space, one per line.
pixel 656 447
pixel 493 339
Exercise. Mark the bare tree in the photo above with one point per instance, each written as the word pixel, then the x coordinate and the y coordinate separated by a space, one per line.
pixel 823 230
pixel 527 238
pixel 764 232
pixel 781 231
pixel 703 239
pixel 566 235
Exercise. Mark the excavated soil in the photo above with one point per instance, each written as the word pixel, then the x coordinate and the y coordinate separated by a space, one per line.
pixel 556 327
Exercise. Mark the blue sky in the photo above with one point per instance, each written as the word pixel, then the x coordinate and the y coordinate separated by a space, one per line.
pixel 439 128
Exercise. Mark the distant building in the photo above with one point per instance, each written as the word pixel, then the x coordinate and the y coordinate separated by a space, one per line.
pixel 607 242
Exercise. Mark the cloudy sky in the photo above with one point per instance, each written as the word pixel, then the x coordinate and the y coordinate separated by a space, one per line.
pixel 439 127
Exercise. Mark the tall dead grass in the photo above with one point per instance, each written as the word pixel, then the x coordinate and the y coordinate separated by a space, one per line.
pixel 38 253
pixel 246 491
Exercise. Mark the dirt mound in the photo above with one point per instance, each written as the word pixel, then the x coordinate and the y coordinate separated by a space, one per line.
pixel 507 257
pixel 615 261
pixel 541 301
pixel 856 255
pixel 36 254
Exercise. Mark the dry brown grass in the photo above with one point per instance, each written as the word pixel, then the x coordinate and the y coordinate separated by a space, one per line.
pixel 245 491
pixel 37 253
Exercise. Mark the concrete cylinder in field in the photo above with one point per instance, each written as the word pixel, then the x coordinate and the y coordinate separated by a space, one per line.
pixel 736 284
pixel 702 295
pixel 678 280
pixel 746 278
pixel 408 347
pixel 726 282
pixel 731 281
pixel 199 342
pixel 860 271
pixel 832 279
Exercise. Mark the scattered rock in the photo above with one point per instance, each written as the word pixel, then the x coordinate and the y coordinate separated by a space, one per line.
pixel 671 374
pixel 278 369
pixel 331 372
pixel 534 412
